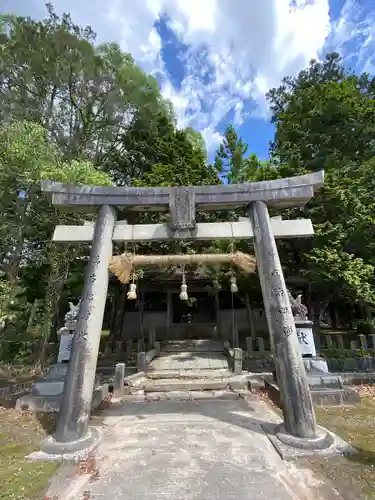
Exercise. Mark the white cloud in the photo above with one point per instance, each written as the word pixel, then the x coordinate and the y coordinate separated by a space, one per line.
pixel 212 138
pixel 353 34
pixel 236 49
pixel 245 48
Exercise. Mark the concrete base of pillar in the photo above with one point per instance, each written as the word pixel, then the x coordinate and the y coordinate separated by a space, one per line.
pixel 290 447
pixel 322 440
pixel 71 451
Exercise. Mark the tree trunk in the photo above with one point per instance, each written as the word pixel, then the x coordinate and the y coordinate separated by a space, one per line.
pixel 250 317
pixel 310 304
pixel 113 295
pixel 56 282
pixel 117 313
pixel 366 311
pixel 320 308
pixel 33 313
pixel 11 268
pixel 332 314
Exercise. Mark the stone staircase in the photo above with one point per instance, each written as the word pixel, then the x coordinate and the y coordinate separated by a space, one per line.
pixel 189 369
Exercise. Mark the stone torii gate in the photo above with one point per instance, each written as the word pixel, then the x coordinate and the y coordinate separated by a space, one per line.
pixel 72 432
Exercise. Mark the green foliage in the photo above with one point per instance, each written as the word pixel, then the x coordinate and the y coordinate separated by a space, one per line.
pixel 342 269
pixel 197 142
pixel 185 165
pixel 325 119
pixel 68 107
pixel 86 96
pixel 366 326
pixel 254 170
pixel 5 291
pixel 230 156
pixel 26 225
pixel 335 353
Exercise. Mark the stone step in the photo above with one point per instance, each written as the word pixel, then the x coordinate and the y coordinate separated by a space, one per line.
pixel 189 374
pixel 170 384
pixel 178 395
pixel 194 346
pixel 194 350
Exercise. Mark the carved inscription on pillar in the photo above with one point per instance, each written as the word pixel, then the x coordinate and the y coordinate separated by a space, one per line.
pixel 274 284
pixel 182 211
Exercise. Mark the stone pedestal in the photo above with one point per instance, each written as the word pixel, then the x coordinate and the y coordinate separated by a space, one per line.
pixel 304 329
pixel 260 342
pixel 237 360
pixel 316 365
pixel 249 346
pixel 119 380
pixel 151 338
pixel 46 392
pixel 141 362
pixel 128 348
pixel 140 345
pixel 66 334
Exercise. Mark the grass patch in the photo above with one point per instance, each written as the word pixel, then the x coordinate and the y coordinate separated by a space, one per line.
pixel 353 477
pixel 20 434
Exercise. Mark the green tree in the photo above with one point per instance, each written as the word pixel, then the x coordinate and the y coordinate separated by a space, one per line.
pixel 230 156
pixel 27 221
pixel 86 96
pixel 325 119
pixel 143 145
pixel 253 170
pixel 197 140
pixel 184 164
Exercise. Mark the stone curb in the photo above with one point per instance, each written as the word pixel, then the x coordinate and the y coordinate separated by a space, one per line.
pixel 68 484
pixel 76 488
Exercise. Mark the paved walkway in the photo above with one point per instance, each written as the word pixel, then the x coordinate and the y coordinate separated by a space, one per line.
pixel 194 450
pixel 191 355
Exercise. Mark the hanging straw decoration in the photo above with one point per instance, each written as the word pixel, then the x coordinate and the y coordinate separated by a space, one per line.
pixel 233 284
pixel 132 293
pixel 123 265
pixel 184 294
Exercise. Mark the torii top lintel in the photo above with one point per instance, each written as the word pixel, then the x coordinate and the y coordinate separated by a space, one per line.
pixel 279 193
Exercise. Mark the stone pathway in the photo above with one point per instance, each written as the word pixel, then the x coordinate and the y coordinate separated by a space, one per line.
pixel 194 450
pixel 191 355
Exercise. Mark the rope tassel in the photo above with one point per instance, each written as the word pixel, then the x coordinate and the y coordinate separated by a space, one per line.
pixel 233 284
pixel 184 294
pixel 132 293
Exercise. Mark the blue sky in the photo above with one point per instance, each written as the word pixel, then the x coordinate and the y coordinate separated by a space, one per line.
pixel 216 59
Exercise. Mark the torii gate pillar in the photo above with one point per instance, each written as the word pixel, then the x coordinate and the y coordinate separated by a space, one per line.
pixel 72 431
pixel 298 411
